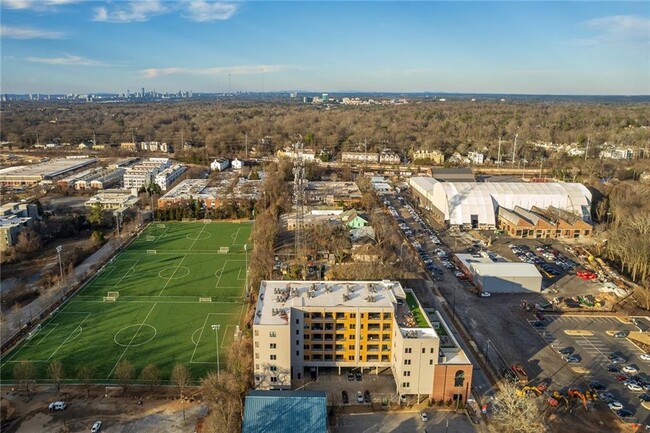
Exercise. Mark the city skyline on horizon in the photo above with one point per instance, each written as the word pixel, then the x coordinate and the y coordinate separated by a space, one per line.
pixel 571 48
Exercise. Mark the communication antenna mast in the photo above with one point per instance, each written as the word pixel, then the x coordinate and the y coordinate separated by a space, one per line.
pixel 299 199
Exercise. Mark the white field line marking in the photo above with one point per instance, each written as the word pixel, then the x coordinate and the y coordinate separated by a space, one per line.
pixel 56 325
pixel 127 273
pixel 132 338
pixel 68 337
pixel 223 338
pixel 161 235
pixel 200 336
pixel 216 286
pixel 234 239
pixel 171 277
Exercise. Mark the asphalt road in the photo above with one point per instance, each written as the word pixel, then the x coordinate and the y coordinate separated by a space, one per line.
pixel 404 423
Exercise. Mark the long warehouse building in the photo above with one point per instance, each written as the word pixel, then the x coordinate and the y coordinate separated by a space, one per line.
pixel 475 204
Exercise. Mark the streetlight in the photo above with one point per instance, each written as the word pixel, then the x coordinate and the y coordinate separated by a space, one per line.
pixel 116 214
pixel 58 251
pixel 216 328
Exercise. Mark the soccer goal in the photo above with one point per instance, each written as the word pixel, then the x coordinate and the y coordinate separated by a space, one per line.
pixel 207 221
pixel 110 299
pixel 33 332
pixel 151 251
pixel 161 226
pixel 205 299
pixel 224 250
pixel 151 238
pixel 113 294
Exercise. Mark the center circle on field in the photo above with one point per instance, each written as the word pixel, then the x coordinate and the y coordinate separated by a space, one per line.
pixel 174 273
pixel 199 236
pixel 144 333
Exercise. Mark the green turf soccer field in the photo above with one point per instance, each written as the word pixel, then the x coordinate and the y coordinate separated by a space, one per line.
pixel 172 284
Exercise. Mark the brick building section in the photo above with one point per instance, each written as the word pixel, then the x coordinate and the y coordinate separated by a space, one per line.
pixel 445 379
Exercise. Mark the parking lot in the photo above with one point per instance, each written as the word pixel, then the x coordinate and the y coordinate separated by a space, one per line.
pixel 591 339
pixel 502 329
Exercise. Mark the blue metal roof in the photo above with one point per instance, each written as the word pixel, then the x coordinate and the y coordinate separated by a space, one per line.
pixel 285 411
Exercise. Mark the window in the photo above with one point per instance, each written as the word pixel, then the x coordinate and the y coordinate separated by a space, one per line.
pixel 272 345
pixel 257 356
pixel 272 334
pixel 406 384
pixel 407 350
pixel 407 362
pixel 274 357
pixel 431 362
pixel 297 352
pixel 386 316
pixel 273 368
pixel 351 358
pixel 459 378
pixel 407 373
pixel 297 321
pixel 353 326
pixel 424 350
pixel 274 379
pixel 257 366
pixel 353 315
pixel 351 347
pixel 432 350
pixel 257 333
pixel 297 331
pixel 297 342
pixel 257 344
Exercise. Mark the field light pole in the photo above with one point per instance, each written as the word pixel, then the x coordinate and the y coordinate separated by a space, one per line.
pixel 216 329
pixel 58 251
pixel 246 270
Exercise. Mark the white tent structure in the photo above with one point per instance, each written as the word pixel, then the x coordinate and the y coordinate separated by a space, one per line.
pixel 475 204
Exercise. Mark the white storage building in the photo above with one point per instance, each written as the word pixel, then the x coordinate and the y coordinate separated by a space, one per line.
pixel 475 204
pixel 500 276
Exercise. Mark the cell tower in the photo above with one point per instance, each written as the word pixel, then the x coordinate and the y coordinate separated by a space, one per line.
pixel 299 200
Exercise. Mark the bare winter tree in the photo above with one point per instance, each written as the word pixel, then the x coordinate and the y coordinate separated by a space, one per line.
pixel 515 414
pixel 24 373
pixel 124 373
pixel 56 373
pixel 150 376
pixel 86 374
pixel 181 377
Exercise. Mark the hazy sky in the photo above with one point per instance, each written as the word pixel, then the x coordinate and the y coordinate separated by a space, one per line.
pixel 79 46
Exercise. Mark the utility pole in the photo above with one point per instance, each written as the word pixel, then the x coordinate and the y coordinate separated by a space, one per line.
pixel 587 149
pixel 499 154
pixel 58 251
pixel 247 145
pixel 94 139
pixel 182 141
pixel 514 150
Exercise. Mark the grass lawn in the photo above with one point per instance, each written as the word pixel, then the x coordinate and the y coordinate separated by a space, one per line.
pixel 173 284
pixel 418 315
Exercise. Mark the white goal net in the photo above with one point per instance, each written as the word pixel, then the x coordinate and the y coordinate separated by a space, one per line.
pixel 205 299
pixel 110 299
pixel 151 251
pixel 224 250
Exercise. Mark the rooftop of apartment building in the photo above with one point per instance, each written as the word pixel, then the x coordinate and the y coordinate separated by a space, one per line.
pixel 278 297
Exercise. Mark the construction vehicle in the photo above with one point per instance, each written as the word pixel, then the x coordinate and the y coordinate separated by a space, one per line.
pixel 531 390
pixel 556 399
pixel 577 394
pixel 522 376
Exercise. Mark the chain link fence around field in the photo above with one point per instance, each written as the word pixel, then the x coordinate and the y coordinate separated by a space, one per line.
pixel 20 322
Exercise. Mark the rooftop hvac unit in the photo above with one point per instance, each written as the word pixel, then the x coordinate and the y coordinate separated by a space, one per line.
pixel 346 297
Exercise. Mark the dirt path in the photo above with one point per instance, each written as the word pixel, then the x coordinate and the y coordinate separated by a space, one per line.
pixel 163 413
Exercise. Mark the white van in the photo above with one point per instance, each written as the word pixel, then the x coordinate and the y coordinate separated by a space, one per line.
pixel 57 405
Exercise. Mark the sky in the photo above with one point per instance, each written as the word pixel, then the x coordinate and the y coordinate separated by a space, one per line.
pixel 531 47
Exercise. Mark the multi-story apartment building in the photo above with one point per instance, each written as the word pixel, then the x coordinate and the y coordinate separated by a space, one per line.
pixel 300 326
pixel 475 157
pixel 143 174
pixel 388 156
pixel 436 156
pixel 355 157
pixel 165 178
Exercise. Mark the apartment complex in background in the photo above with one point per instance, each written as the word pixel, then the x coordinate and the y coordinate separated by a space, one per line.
pixel 435 156
pixel 301 326
pixel 357 157
pixel 14 217
pixel 144 173
pixel 165 178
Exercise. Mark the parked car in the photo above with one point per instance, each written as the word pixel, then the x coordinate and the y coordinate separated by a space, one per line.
pixel 630 369
pixel 620 334
pixel 607 397
pixel 485 294
pixel 424 417
pixel 350 376
pixel 624 413
pixel 645 357
pixel 644 397
pixel 572 359
pixel 57 405
pixel 96 427
pixel 622 377
pixel 366 396
pixel 359 397
pixel 344 397
pixel 634 387
pixel 597 386
pixel 357 375
pixel 537 324
pixel 565 351
pixel 615 405
pixel 613 368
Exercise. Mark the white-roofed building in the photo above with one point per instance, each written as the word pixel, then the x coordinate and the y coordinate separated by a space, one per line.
pixel 475 204
pixel 500 276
